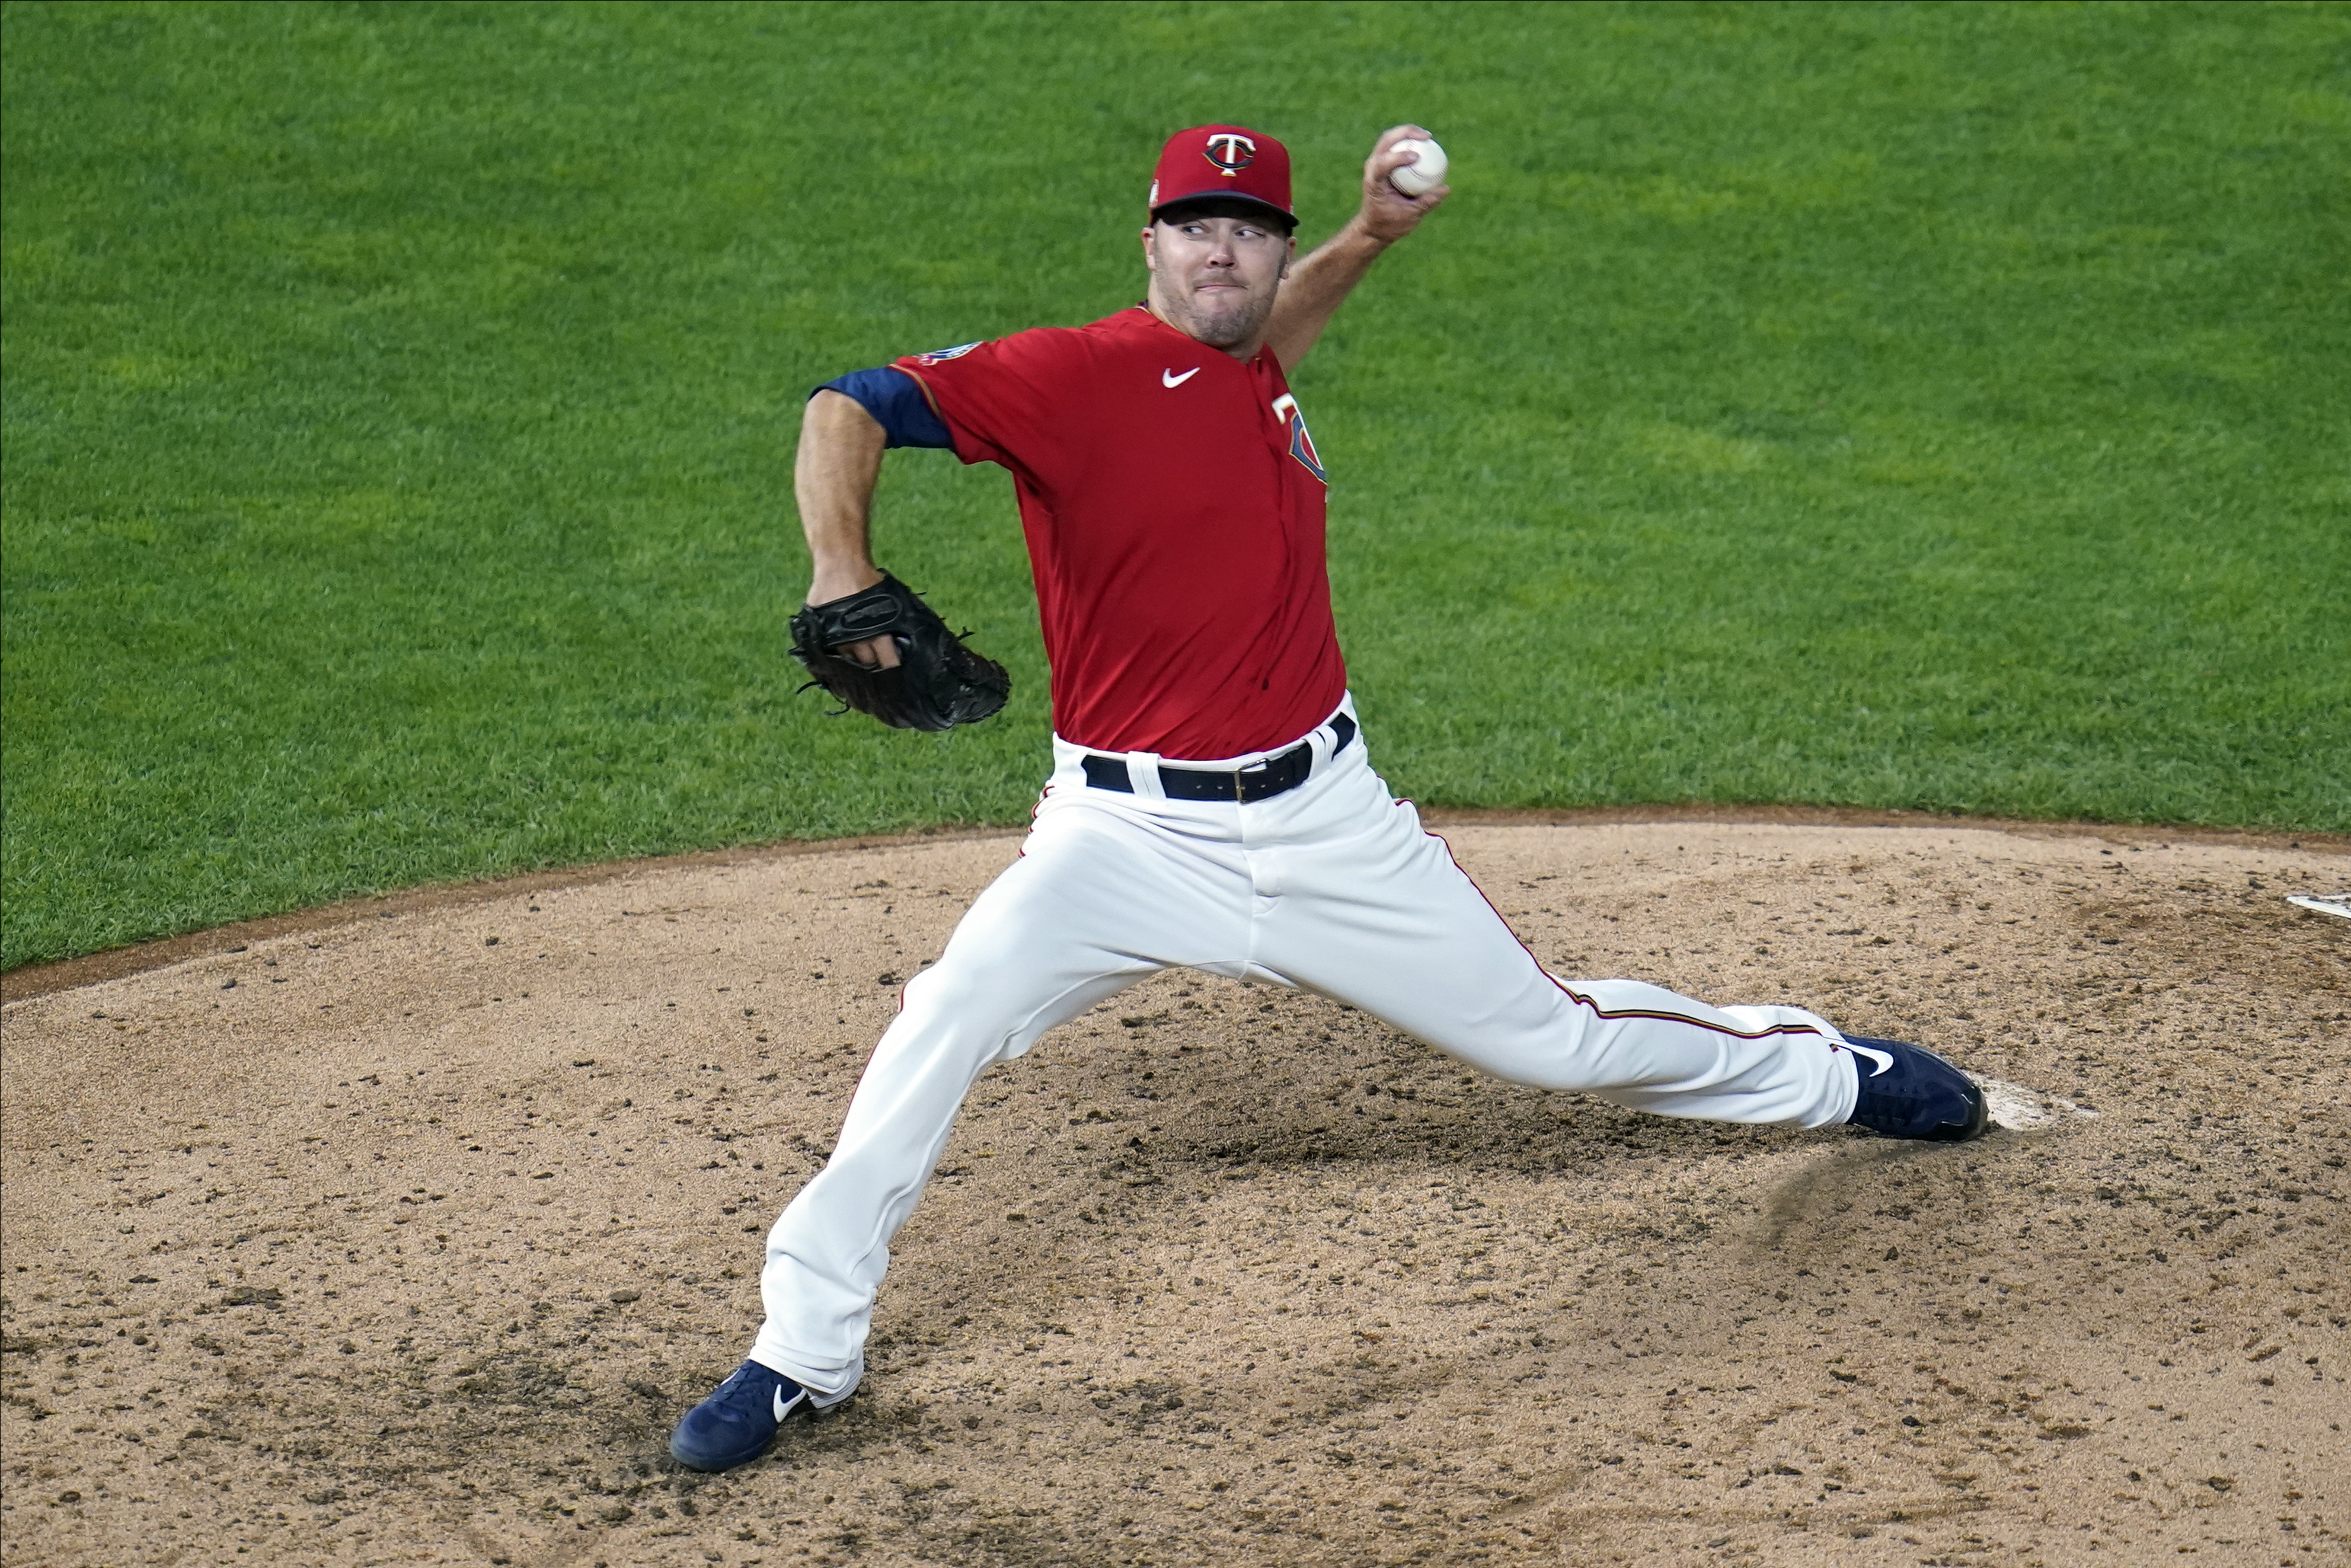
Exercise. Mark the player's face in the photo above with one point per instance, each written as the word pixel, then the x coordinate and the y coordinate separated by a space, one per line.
pixel 1214 279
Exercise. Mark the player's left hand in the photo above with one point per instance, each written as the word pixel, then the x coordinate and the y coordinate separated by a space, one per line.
pixel 1388 214
pixel 937 682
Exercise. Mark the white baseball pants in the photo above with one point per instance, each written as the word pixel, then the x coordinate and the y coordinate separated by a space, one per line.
pixel 1333 887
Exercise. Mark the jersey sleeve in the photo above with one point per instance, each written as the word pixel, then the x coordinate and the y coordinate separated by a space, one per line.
pixel 896 403
pixel 1002 399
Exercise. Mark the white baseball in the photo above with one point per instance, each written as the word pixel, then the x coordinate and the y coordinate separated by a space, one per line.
pixel 1425 173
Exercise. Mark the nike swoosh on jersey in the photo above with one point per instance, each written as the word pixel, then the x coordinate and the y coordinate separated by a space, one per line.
pixel 1170 379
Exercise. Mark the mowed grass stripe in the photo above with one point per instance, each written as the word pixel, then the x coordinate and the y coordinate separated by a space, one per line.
pixel 1908 407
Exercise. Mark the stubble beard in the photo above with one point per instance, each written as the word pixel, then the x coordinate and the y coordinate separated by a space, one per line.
pixel 1227 328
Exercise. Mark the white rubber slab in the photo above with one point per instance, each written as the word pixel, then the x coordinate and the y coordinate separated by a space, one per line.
pixel 2023 1110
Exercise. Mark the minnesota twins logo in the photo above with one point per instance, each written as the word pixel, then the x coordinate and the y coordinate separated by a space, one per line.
pixel 1302 445
pixel 1230 151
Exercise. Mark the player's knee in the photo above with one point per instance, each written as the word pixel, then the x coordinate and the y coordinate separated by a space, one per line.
pixel 952 985
pixel 1545 1054
pixel 962 1003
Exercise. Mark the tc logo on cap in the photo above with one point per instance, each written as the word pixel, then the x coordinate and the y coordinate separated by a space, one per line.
pixel 1230 151
pixel 1244 164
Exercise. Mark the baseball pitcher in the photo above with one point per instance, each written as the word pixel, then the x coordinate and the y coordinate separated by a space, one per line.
pixel 1212 802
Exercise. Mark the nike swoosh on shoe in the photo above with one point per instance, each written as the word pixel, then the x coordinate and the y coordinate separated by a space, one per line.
pixel 1924 1097
pixel 1885 1059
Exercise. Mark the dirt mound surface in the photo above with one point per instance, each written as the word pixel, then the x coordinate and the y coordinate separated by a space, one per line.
pixel 407 1240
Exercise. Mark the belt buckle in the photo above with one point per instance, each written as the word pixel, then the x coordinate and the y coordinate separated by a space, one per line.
pixel 1241 779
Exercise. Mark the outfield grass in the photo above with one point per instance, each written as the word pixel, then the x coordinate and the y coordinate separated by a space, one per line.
pixel 1925 407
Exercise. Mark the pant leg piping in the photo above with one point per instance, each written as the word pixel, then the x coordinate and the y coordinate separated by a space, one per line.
pixel 1597 1010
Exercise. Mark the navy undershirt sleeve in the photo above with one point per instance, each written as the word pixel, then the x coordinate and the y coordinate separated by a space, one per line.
pixel 896 401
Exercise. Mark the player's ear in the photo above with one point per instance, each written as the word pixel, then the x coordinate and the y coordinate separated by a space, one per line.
pixel 1151 247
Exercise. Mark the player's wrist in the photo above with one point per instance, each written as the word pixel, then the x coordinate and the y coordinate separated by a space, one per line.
pixel 1363 231
pixel 838 579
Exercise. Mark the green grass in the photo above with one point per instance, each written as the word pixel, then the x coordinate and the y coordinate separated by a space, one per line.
pixel 1927 407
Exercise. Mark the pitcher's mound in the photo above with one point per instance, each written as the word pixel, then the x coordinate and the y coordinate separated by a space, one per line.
pixel 408 1239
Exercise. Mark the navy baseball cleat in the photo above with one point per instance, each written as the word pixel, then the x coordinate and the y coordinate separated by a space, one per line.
pixel 738 1422
pixel 1908 1092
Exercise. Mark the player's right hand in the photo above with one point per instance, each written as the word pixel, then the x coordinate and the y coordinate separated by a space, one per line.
pixel 1387 213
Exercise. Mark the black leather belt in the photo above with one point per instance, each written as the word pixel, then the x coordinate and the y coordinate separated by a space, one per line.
pixel 1272 777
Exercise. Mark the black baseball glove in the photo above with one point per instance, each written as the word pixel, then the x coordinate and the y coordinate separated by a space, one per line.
pixel 937 683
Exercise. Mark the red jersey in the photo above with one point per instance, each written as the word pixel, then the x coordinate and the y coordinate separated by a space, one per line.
pixel 1173 503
